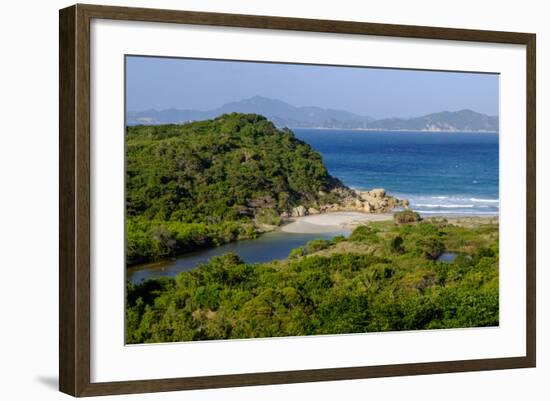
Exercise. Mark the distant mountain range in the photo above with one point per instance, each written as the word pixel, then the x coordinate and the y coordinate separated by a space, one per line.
pixel 463 120
pixel 285 115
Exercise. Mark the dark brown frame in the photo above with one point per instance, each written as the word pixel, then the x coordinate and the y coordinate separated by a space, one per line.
pixel 74 199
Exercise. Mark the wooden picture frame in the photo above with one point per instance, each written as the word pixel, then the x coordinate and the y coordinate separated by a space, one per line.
pixel 74 203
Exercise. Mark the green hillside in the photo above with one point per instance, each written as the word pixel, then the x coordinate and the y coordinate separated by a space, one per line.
pixel 205 183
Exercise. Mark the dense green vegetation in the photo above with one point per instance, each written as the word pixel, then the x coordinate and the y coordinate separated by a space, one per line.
pixel 208 182
pixel 384 277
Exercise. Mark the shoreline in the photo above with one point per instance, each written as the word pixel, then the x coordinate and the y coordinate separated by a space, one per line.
pixel 331 222
pixel 338 221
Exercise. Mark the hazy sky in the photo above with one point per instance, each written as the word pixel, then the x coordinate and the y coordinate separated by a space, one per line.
pixel 162 83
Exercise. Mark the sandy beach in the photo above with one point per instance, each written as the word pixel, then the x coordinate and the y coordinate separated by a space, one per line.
pixel 331 222
pixel 336 221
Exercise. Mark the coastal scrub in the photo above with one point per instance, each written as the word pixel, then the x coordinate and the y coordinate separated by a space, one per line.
pixel 383 278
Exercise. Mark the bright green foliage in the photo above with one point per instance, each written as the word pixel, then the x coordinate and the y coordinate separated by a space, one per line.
pixel 268 216
pixel 311 247
pixel 364 234
pixel 208 182
pixel 297 252
pixel 374 282
pixel 337 239
pixel 317 245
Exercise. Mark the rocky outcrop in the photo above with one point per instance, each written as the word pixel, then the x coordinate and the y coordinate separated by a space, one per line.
pixel 377 201
pixel 373 201
pixel 299 211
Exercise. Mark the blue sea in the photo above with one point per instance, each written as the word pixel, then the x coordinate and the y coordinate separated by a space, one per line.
pixel 439 172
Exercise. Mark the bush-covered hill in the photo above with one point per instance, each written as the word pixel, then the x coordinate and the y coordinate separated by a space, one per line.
pixel 384 277
pixel 208 182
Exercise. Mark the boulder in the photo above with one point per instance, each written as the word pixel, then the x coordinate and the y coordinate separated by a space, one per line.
pixel 378 192
pixel 376 206
pixel 312 210
pixel 373 201
pixel 392 201
pixel 299 211
pixel 364 196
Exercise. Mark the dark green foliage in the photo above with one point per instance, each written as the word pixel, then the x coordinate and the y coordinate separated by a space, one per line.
pixel 406 216
pixel 430 247
pixel 205 183
pixel 390 286
pixel 396 244
pixel 155 239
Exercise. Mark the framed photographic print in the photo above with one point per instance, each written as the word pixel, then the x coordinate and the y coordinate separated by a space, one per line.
pixel 250 200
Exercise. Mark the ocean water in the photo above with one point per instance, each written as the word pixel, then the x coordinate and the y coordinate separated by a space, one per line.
pixel 439 172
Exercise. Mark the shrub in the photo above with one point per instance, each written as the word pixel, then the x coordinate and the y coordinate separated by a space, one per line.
pixel 396 244
pixel 425 229
pixel 338 239
pixel 296 253
pixel 406 216
pixel 430 247
pixel 317 245
pixel 269 217
pixel 363 234
pixel 485 252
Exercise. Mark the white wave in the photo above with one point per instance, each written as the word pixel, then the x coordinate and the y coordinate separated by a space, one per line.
pixel 443 206
pixel 440 197
pixel 476 213
pixel 484 200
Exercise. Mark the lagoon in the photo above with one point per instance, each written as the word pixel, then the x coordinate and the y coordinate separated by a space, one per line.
pixel 269 246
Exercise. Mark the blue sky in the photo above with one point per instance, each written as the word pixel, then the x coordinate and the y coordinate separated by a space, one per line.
pixel 162 83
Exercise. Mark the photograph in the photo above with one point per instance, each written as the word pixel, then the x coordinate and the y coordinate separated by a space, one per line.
pixel 269 199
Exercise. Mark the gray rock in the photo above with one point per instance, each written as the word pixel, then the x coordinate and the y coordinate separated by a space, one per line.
pixel 299 211
pixel 378 192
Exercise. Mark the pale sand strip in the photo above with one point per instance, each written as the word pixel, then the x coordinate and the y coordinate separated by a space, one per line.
pixel 331 222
